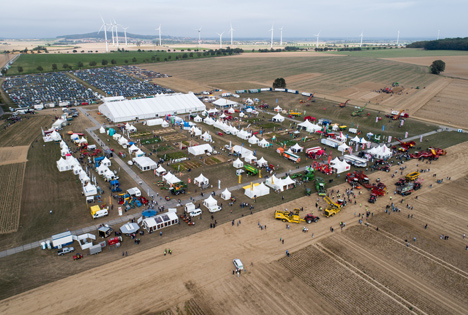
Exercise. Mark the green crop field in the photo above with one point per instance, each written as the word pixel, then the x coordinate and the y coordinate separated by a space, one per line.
pixel 29 63
pixel 323 74
pixel 401 52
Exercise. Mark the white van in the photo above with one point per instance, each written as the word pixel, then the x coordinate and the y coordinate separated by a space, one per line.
pixel 195 213
pixel 238 264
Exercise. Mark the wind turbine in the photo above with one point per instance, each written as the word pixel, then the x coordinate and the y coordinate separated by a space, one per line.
pixel 125 34
pixel 159 30
pixel 116 33
pixel 232 32
pixel 112 29
pixel 199 38
pixel 317 35
pixel 220 40
pixel 104 26
pixel 271 30
pixel 438 34
pixel 398 38
pixel 362 34
pixel 281 36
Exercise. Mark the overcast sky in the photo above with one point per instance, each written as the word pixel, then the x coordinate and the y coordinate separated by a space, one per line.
pixel 250 18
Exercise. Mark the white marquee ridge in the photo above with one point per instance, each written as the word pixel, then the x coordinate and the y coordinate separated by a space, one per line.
pixel 147 108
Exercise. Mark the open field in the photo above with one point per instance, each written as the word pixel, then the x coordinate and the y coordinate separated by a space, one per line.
pixel 11 187
pixel 26 131
pixel 456 66
pixel 400 53
pixel 11 155
pixel 359 270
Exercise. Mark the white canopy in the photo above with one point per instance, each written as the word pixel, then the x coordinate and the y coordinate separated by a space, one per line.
pixel 132 148
pixel 243 134
pixel 116 136
pixel 226 194
pixel 263 143
pixel 64 151
pixel 197 119
pixel 84 178
pixel 102 130
pixel 63 144
pixel 160 171
pixel 279 183
pixel 210 202
pixel 170 178
pixel 196 131
pixel 250 158
pixel 335 127
pixel 200 149
pixel 343 147
pixel 101 169
pixel 138 153
pixel 222 116
pixel 297 148
pixel 201 180
pixel 89 190
pixel 238 163
pixel 278 109
pixel 257 190
pixel 231 110
pixel 262 162
pixel 106 162
pixel 355 139
pixel 123 141
pixel 154 122
pixel 208 121
pixel 77 169
pixel 242 151
pixel 339 166
pixel 108 175
pixel 165 124
pixel 144 163
pixel 253 140
pixel 278 118
pixel 206 137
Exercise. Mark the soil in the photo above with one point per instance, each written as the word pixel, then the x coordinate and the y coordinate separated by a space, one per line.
pixel 10 155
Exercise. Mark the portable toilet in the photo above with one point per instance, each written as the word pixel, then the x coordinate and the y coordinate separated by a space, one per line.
pixel 43 245
pixel 111 132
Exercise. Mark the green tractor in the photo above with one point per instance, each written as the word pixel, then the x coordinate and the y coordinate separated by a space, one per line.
pixel 320 186
pixel 359 111
pixel 309 175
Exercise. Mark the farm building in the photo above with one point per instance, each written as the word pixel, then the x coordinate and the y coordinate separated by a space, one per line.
pixel 144 163
pixel 150 108
pixel 200 149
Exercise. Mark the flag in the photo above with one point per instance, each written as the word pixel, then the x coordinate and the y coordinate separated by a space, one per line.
pixel 406 134
pixel 350 150
pixel 383 128
pixel 401 122
pixel 276 100
pixel 420 139
pixel 329 159
pixel 189 180
pixel 389 138
pixel 251 186
pixel 376 119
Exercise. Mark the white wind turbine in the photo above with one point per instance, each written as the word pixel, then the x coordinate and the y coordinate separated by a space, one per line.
pixel 104 26
pixel 220 40
pixel 116 33
pixel 125 34
pixel 232 32
pixel 112 29
pixel 159 30
pixel 398 38
pixel 316 43
pixel 362 34
pixel 199 36
pixel 271 30
pixel 281 36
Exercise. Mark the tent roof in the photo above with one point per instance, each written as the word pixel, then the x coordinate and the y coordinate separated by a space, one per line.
pixel 160 169
pixel 224 102
pixel 297 147
pixel 201 178
pixel 278 116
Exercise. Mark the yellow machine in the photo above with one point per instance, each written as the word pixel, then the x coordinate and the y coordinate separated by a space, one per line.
pixel 332 209
pixel 293 113
pixel 289 216
pixel 412 176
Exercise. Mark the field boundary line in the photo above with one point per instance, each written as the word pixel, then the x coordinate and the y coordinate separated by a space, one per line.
pixel 407 278
pixel 422 252
pixel 380 287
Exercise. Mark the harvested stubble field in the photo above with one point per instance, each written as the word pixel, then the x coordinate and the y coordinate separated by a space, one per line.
pixel 26 131
pixel 11 187
pixel 10 155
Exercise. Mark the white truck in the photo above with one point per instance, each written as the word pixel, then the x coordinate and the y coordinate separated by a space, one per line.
pixel 134 192
pixel 65 250
pixel 191 210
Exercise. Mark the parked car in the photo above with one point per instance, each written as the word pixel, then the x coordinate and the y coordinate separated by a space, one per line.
pixel 195 213
pixel 220 134
pixel 65 250
pixel 238 264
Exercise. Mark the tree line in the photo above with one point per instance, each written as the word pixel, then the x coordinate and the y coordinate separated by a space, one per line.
pixel 442 44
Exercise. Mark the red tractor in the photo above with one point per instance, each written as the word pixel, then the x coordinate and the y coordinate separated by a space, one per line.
pixel 407 145
pixel 385 168
pixel 78 256
pixel 401 182
pixel 358 177
pixel 429 154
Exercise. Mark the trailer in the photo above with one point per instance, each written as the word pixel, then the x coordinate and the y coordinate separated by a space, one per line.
pixel 354 160
pixel 331 142
pixel 279 90
pixel 292 91
pixel 292 157
pixel 96 249
pixel 253 91
pixel 241 91
pixel 62 239
pixel 265 89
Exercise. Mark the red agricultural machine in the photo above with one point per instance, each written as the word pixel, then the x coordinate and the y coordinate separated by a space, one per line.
pixel 344 104
pixel 357 178
pixel 431 154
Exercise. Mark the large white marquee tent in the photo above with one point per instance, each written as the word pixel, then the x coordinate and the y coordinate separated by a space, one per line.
pixel 148 108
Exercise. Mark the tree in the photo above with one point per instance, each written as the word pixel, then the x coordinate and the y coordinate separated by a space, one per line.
pixel 126 61
pixel 80 64
pixel 279 83
pixel 40 68
pixel 437 67
pixel 113 61
pixel 158 59
pixel 104 62
pixel 4 71
pixel 65 66
pixel 20 69
pixel 134 60
pixel 54 66
pixel 92 63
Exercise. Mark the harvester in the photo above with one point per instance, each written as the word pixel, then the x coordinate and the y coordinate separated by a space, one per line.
pixel 320 186
pixel 344 104
pixel 293 216
pixel 332 208
pixel 359 111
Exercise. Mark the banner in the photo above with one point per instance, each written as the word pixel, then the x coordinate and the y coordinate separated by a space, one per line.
pixel 383 128
pixel 376 119
pixel 401 123
pixel 406 134
pixel 420 139
pixel 389 138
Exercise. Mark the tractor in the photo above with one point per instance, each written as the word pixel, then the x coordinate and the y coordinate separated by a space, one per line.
pixel 344 104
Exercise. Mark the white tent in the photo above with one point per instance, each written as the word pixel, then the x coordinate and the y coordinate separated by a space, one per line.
pixel 196 131
pixel 278 118
pixel 197 119
pixel 226 194
pixel 262 162
pixel 108 175
pixel 200 149
pixel 63 144
pixel 138 153
pixel 165 124
pixel 238 163
pixel 382 152
pixel 339 166
pixel 279 183
pixel 101 169
pixel 206 137
pixel 250 158
pixel 201 180
pixel 144 163
pixel 208 121
pixel 263 143
pixel 160 171
pixel 77 169
pixel 233 130
pixel 335 127
pixel 278 109
pixel 253 140
pixel 89 190
pixel 210 202
pixel 313 128
pixel 123 141
pixel 243 134
pixel 170 178
pixel 231 110
pixel 132 148
pixel 363 141
pixel 84 178
pixel 82 140
pixel 241 115
pixel 116 136
pixel 64 151
pixel 102 130
pixel 297 148
pixel 343 147
pixel 243 152
pixel 74 137
pixel 222 116
pixel 256 190
pixel 154 122
pixel 63 165
pixel 355 139
pixel 58 124
pixel 106 162
pixel 72 161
